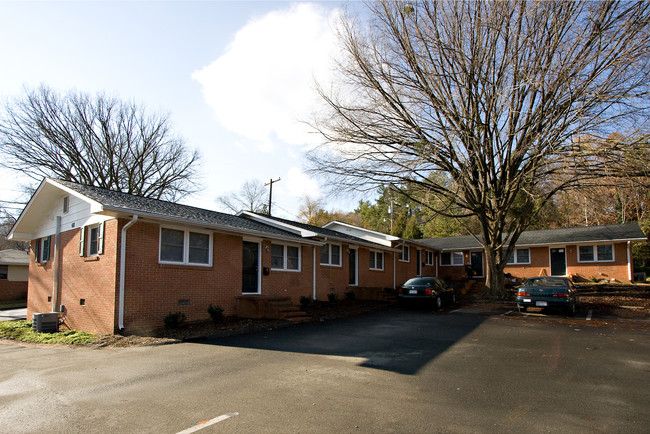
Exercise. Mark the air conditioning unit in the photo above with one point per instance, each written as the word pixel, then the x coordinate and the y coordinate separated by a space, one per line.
pixel 47 322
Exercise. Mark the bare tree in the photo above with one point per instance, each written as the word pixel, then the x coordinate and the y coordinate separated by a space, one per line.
pixel 251 197
pixel 493 94
pixel 99 141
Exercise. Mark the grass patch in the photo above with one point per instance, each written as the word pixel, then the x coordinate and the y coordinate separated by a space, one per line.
pixel 21 331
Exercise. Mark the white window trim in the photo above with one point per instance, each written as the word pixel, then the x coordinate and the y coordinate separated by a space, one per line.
pixel 186 247
pixel 594 249
pixel 42 250
pixel 428 254
pixel 383 259
pixel 407 250
pixel 515 259
pixel 100 239
pixel 285 258
pixel 329 257
pixel 451 258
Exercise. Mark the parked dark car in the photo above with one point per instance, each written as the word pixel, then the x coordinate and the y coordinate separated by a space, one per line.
pixel 551 292
pixel 426 291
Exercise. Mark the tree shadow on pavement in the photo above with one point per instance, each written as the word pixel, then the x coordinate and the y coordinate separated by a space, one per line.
pixel 401 341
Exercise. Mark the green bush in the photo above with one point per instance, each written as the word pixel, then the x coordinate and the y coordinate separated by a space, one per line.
pixel 174 320
pixel 304 300
pixel 216 313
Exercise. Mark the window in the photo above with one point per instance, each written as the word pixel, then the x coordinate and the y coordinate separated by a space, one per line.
pixel 330 254
pixel 451 258
pixel 404 254
pixel 4 270
pixel 66 205
pixel 285 257
pixel 428 259
pixel 93 240
pixel 520 256
pixel 376 260
pixel 601 253
pixel 185 247
pixel 42 253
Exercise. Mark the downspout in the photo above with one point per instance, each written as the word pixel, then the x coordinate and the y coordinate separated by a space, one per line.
pixel 313 296
pixel 120 322
pixel 394 266
pixel 630 266
pixel 55 266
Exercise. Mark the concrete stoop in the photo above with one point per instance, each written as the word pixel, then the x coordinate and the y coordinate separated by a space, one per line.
pixel 269 307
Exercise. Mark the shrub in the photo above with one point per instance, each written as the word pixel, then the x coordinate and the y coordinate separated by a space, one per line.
pixel 350 295
pixel 174 320
pixel 216 313
pixel 331 297
pixel 304 300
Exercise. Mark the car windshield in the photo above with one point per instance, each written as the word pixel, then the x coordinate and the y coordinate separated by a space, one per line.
pixel 555 283
pixel 420 281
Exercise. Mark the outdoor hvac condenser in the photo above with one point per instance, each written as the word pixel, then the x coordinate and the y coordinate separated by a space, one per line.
pixel 47 322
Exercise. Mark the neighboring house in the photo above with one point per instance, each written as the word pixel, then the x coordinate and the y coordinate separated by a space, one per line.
pixel 112 261
pixel 602 252
pixel 14 273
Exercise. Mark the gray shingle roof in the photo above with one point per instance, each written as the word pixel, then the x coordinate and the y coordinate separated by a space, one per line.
pixel 133 204
pixel 584 234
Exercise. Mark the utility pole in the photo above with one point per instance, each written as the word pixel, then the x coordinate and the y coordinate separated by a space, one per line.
pixel 270 184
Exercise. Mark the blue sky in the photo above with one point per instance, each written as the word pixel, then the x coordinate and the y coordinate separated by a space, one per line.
pixel 236 77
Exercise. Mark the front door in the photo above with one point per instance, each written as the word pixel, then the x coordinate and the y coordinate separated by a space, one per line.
pixel 352 267
pixel 476 259
pixel 558 262
pixel 250 268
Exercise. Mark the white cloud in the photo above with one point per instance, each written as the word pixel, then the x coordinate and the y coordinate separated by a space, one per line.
pixel 299 184
pixel 262 86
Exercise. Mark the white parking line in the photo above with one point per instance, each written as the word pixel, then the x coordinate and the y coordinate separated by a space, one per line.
pixel 207 423
pixel 589 315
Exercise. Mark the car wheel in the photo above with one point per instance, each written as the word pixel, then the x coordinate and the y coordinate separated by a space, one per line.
pixel 438 302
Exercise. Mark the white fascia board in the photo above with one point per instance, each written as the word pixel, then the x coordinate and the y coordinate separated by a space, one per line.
pixel 365 234
pixel 95 207
pixel 305 233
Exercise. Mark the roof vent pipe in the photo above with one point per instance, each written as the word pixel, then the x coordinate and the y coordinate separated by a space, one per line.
pixel 122 270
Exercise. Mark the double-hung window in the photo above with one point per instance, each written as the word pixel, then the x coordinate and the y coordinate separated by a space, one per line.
pixel 285 257
pixel 519 256
pixel 178 246
pixel 598 253
pixel 4 272
pixel 404 254
pixel 91 240
pixel 42 249
pixel 376 260
pixel 428 258
pixel 330 254
pixel 451 258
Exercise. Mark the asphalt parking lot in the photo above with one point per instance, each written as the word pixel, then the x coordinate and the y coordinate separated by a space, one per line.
pixel 392 371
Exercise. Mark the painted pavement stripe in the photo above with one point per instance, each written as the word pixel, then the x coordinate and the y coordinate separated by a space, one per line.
pixel 207 423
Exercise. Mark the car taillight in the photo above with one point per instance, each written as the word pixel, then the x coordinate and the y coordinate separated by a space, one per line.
pixel 427 290
pixel 400 290
pixel 523 293
pixel 560 295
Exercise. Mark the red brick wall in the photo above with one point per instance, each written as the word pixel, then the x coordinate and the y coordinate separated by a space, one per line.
pixel 90 279
pixel 601 270
pixel 375 278
pixel 331 277
pixel 153 290
pixel 539 260
pixel 289 283
pixel 12 290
